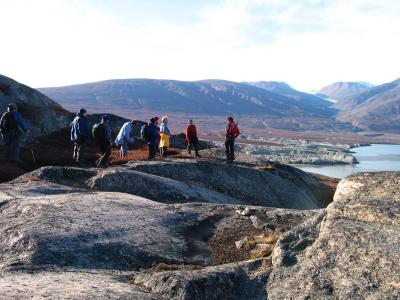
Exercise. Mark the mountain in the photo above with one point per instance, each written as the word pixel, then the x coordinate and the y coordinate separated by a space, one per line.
pixel 210 97
pixel 286 90
pixel 339 91
pixel 376 109
pixel 43 115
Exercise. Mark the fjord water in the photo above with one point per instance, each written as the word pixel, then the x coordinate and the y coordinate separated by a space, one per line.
pixel 372 158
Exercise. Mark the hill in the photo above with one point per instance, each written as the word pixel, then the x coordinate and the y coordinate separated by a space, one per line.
pixel 286 90
pixel 376 109
pixel 341 91
pixel 211 97
pixel 43 115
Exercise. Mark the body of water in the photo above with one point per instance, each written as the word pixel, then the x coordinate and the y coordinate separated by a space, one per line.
pixel 372 158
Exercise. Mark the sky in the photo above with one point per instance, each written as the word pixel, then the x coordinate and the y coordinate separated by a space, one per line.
pixel 306 43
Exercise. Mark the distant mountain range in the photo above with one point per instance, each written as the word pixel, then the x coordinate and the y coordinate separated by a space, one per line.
pixel 377 108
pixel 215 97
pixel 263 104
pixel 339 92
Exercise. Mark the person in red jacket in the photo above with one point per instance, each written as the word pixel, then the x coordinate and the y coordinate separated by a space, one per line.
pixel 232 132
pixel 191 138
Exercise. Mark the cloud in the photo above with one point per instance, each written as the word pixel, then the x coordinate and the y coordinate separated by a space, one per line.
pixel 307 43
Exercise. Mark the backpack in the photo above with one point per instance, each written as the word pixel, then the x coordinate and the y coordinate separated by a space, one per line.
pixel 8 122
pixel 98 132
pixel 144 132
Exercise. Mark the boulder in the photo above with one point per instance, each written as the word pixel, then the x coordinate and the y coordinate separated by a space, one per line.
pixel 350 251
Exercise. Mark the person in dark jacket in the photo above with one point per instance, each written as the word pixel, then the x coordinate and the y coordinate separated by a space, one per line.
pixel 11 127
pixel 80 134
pixel 192 139
pixel 104 140
pixel 232 132
pixel 153 138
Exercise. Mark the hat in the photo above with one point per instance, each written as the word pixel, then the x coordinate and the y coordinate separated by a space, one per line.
pixel 156 118
pixel 82 111
pixel 164 118
pixel 105 117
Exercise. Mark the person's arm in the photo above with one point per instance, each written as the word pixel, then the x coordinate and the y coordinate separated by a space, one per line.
pixel 237 132
pixel 20 121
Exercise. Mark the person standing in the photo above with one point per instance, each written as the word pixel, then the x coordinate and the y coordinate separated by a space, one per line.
pixel 80 134
pixel 232 132
pixel 153 138
pixel 102 134
pixel 11 125
pixel 164 136
pixel 125 136
pixel 192 139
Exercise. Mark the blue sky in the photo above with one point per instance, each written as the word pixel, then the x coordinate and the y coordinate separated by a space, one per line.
pixel 307 43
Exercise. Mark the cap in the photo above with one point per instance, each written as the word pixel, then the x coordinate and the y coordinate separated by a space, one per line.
pixel 156 118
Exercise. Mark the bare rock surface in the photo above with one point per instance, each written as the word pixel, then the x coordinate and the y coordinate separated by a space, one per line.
pixel 84 234
pixel 183 181
pixel 351 251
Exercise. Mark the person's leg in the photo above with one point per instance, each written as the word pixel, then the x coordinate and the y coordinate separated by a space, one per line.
pixel 164 151
pixel 227 151
pixel 196 148
pixel 6 148
pixel 124 149
pixel 152 151
pixel 232 150
pixel 15 148
pixel 189 147
pixel 106 150
pixel 80 151
pixel 75 154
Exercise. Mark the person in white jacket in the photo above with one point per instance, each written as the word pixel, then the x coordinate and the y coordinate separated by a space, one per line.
pixel 125 137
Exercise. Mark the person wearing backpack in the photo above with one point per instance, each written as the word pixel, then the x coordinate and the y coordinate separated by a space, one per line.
pixel 11 125
pixel 152 138
pixel 80 134
pixel 125 137
pixel 102 134
pixel 165 134
pixel 232 132
pixel 192 139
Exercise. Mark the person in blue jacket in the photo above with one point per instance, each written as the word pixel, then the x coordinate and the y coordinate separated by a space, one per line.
pixel 153 136
pixel 80 134
pixel 11 127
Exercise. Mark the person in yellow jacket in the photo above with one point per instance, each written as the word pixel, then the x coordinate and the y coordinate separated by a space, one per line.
pixel 164 136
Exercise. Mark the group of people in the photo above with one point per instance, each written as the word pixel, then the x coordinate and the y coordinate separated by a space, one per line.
pixel 157 137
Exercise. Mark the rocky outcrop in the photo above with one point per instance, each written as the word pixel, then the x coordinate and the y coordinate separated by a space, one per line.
pixel 67 240
pixel 182 181
pixel 351 251
pixel 63 236
pixel 43 115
